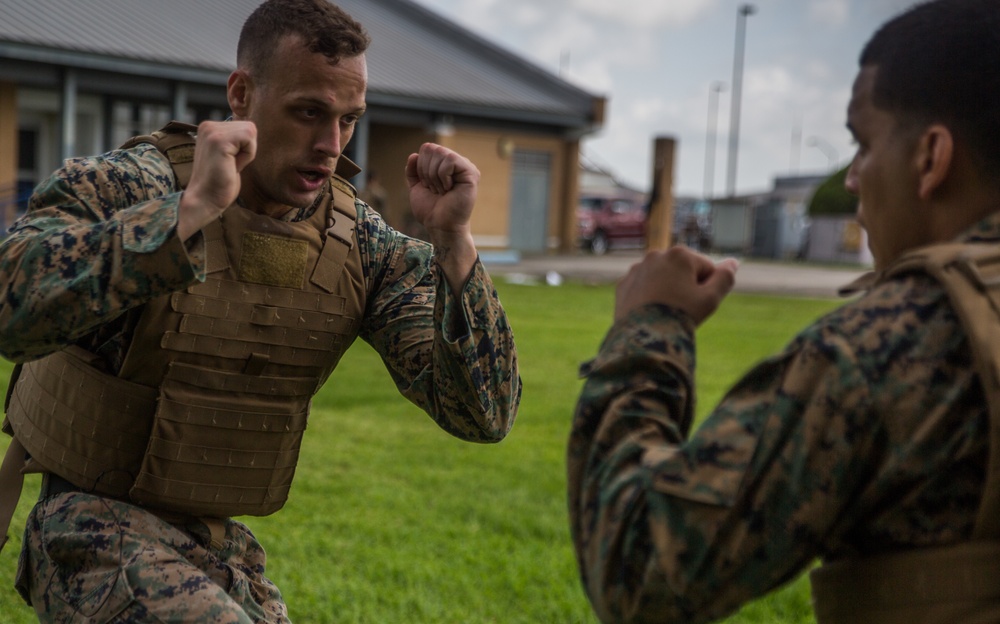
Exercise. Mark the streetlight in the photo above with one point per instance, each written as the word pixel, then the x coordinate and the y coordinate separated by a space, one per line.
pixel 828 150
pixel 744 11
pixel 710 140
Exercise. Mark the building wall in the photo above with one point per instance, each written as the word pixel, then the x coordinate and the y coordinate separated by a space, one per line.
pixel 558 183
pixel 389 147
pixel 490 151
pixel 838 239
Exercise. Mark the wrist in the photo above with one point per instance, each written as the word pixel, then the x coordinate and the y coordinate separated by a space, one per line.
pixel 456 254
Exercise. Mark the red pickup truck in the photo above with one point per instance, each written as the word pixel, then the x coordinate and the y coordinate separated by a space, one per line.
pixel 610 221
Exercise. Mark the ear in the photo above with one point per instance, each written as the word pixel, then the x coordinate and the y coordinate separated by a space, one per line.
pixel 239 91
pixel 934 154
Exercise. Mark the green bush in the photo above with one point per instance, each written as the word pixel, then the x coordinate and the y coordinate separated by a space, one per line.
pixel 831 198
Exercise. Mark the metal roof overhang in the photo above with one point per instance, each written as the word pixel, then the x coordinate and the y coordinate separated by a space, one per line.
pixel 41 66
pixel 99 62
pixel 461 109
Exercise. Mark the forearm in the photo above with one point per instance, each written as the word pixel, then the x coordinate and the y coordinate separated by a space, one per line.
pixel 76 261
pixel 456 255
pixel 450 352
pixel 671 527
pixel 637 396
pixel 476 385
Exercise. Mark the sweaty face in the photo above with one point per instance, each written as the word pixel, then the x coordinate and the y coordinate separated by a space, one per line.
pixel 305 109
pixel 883 175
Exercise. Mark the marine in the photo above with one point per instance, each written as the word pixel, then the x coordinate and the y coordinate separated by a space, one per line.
pixel 174 305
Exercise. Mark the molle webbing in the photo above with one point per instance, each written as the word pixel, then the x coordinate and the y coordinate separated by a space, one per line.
pixel 228 319
pixel 207 413
pixel 959 583
pixel 243 360
pixel 103 448
pixel 207 456
pixel 176 141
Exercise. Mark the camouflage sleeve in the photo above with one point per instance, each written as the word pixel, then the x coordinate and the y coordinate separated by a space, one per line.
pixel 98 238
pixel 452 354
pixel 669 527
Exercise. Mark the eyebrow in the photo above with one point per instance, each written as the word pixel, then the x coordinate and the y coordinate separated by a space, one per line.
pixel 321 103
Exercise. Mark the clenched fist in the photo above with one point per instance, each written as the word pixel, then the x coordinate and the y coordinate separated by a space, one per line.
pixel 223 150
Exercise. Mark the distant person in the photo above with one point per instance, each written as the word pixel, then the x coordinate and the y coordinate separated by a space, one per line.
pixel 175 314
pixel 867 443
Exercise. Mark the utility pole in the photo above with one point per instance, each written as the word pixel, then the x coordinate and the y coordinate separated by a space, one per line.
pixel 744 11
pixel 710 138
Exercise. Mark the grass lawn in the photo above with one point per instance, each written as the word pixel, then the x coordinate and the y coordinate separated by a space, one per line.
pixel 391 520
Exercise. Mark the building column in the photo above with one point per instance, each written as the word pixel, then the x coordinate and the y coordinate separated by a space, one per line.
pixel 68 125
pixel 180 104
pixel 361 142
pixel 8 155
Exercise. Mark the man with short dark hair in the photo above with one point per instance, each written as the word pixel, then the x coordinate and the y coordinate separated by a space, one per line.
pixel 175 305
pixel 868 442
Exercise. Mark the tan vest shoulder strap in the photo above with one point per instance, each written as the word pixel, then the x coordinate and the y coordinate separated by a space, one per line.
pixel 176 141
pixel 970 274
pixel 341 221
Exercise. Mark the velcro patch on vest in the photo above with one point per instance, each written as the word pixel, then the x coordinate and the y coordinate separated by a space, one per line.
pixel 273 260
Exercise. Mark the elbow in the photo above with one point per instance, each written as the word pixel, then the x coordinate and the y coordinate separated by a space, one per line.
pixel 496 425
pixel 487 424
pixel 616 600
pixel 503 412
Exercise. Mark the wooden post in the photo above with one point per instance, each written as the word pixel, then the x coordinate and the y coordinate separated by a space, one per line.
pixel 661 202
pixel 8 154
pixel 567 206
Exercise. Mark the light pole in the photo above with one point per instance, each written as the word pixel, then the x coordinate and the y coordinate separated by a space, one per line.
pixel 710 139
pixel 828 150
pixel 744 11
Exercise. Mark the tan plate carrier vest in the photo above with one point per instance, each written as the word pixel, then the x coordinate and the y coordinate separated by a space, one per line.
pixel 206 417
pixel 951 584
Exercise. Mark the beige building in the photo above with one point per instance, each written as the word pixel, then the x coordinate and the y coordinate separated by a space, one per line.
pixel 77 82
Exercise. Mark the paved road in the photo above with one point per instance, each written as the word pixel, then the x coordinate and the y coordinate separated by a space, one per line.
pixel 786 278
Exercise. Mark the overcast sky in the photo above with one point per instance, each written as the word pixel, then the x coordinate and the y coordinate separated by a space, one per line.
pixel 655 61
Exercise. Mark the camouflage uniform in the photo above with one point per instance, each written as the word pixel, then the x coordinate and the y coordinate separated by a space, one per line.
pixel 98 241
pixel 868 434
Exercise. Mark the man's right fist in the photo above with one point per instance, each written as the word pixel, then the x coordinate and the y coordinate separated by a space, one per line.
pixel 223 150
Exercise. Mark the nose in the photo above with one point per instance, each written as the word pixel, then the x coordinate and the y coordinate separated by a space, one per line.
pixel 328 141
pixel 851 179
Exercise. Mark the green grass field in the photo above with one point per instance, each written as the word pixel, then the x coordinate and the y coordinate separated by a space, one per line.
pixel 392 521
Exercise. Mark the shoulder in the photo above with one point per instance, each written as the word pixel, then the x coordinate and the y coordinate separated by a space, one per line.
pixel 387 252
pixel 105 183
pixel 906 317
pixel 134 171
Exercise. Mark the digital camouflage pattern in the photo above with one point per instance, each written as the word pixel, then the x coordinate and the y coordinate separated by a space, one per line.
pixel 99 240
pixel 75 542
pixel 867 434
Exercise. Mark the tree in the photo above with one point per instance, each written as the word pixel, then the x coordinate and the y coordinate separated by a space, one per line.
pixel 831 198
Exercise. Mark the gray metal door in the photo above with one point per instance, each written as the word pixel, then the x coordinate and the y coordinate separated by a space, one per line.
pixel 529 197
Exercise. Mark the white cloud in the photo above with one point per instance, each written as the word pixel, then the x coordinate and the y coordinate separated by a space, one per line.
pixel 647 14
pixel 830 12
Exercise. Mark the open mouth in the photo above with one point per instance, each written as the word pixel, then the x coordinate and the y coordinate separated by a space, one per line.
pixel 312 176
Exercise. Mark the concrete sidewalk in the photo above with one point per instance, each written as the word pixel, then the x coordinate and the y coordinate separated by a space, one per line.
pixel 772 277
